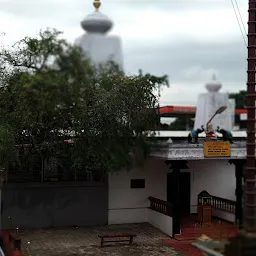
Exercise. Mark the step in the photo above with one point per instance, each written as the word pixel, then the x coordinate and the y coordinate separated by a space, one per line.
pixel 189 230
pixel 184 247
pixel 213 235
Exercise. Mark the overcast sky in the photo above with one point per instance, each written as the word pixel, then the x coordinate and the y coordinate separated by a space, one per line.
pixel 186 39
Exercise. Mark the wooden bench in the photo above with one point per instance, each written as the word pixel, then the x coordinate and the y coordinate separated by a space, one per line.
pixel 127 238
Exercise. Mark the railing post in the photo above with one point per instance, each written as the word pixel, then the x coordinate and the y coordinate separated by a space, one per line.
pixel 223 204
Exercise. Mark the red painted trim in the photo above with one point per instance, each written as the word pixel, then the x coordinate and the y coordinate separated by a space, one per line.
pixel 241 111
pixel 188 110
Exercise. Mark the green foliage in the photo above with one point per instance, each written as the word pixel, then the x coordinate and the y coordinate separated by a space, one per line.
pixel 7 145
pixel 182 123
pixel 51 92
pixel 240 98
pixel 8 152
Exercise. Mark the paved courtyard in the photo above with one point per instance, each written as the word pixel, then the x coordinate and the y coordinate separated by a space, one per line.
pixel 85 241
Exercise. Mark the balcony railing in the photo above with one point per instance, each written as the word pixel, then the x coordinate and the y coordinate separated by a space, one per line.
pixel 223 204
pixel 217 203
pixel 161 206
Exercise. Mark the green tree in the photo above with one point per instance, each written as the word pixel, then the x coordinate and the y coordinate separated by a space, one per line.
pixel 52 92
pixel 8 152
pixel 240 98
pixel 182 123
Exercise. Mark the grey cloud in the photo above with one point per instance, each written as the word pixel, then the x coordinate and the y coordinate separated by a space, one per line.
pixel 228 58
pixel 28 9
pixel 181 5
pixel 173 57
pixel 46 9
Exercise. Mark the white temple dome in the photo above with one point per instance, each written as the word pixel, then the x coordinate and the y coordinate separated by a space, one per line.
pixel 100 47
pixel 97 22
pixel 214 85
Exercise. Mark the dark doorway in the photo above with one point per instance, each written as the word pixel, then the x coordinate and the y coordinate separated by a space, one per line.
pixel 178 194
pixel 185 193
pixel 171 188
pixel 182 191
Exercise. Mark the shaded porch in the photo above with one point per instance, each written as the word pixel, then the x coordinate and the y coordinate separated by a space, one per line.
pixel 223 211
pixel 223 178
pixel 191 230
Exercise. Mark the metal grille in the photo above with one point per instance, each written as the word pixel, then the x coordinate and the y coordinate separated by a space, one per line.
pixel 250 187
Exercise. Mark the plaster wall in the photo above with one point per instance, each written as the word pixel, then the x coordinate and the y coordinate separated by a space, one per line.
pixel 47 205
pixel 160 221
pixel 127 205
pixel 224 215
pixel 216 177
pixel 101 48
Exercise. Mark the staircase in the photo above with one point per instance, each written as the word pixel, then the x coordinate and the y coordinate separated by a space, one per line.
pixel 215 230
pixel 190 232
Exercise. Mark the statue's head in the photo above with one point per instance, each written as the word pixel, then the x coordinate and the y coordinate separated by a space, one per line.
pixel 218 128
pixel 202 127
pixel 210 126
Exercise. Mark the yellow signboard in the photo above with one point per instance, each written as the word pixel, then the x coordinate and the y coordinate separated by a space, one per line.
pixel 216 149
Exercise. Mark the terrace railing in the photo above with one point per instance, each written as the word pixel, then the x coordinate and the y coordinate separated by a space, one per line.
pixel 218 203
pixel 160 206
pixel 223 204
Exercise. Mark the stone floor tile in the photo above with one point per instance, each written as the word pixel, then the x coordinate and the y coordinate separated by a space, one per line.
pixel 85 242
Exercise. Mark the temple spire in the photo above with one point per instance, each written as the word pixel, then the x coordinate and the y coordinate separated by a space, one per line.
pixel 97 22
pixel 97 5
pixel 213 85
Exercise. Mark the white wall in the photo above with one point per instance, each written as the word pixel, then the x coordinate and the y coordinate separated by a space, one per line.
pixel 160 221
pixel 101 48
pixel 224 215
pixel 128 205
pixel 215 176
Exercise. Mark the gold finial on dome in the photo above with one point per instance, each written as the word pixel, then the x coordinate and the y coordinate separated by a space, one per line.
pixel 97 4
